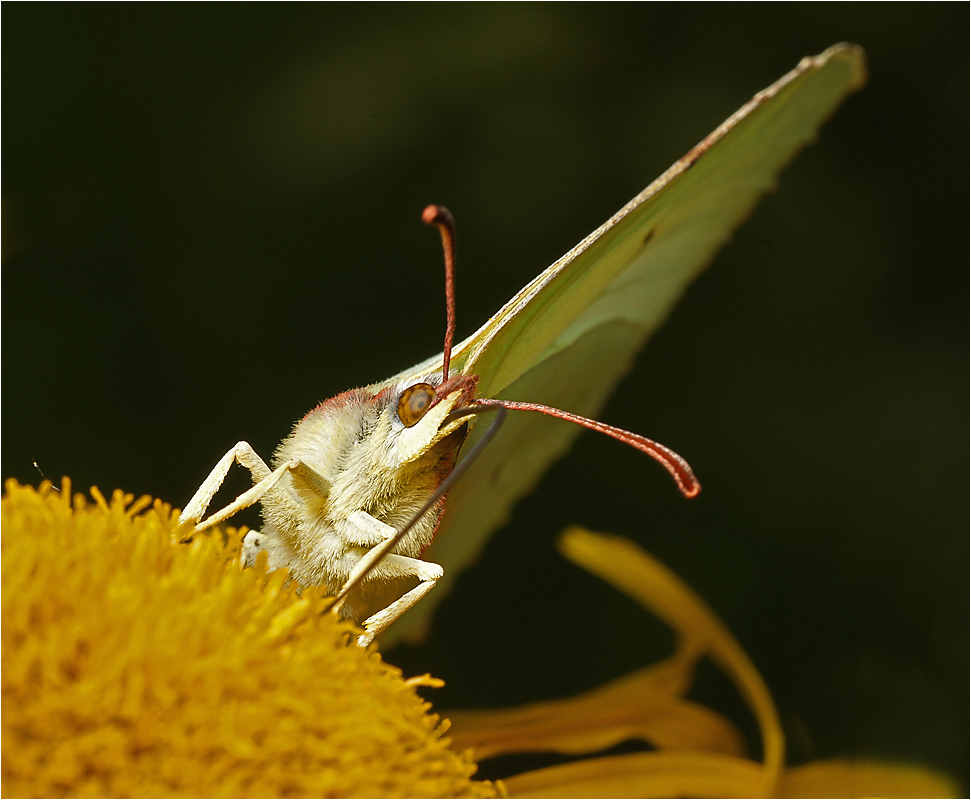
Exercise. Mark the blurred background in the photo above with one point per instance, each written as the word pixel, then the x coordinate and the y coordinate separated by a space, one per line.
pixel 211 223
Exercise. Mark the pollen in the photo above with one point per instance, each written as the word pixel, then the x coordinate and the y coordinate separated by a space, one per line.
pixel 136 666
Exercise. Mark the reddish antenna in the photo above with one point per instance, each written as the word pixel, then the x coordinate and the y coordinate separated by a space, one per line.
pixel 679 468
pixel 441 217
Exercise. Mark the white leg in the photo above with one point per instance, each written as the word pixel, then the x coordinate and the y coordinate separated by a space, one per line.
pixel 252 545
pixel 378 562
pixel 427 572
pixel 363 530
pixel 246 457
pixel 248 497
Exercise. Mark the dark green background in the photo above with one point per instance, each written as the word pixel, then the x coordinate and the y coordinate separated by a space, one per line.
pixel 211 223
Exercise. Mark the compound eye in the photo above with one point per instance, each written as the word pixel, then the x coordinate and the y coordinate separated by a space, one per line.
pixel 414 403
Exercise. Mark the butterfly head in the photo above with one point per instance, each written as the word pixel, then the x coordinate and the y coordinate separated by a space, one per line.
pixel 426 416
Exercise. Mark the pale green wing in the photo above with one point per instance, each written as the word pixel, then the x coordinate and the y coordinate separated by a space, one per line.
pixel 572 333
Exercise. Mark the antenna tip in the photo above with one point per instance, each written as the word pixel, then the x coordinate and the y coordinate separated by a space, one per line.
pixel 437 215
pixel 690 490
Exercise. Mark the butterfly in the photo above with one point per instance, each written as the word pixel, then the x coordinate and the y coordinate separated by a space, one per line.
pixel 355 495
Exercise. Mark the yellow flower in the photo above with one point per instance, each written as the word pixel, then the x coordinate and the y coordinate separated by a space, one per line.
pixel 134 666
pixel 699 753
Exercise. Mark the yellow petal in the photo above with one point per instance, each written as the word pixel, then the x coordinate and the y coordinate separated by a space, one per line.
pixel 645 579
pixel 665 773
pixel 643 705
pixel 847 778
pixel 685 774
